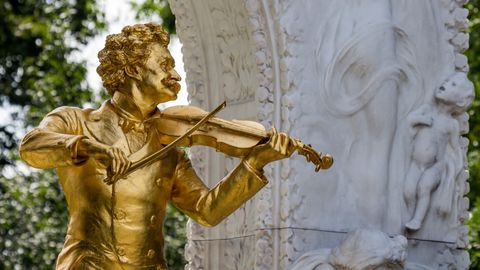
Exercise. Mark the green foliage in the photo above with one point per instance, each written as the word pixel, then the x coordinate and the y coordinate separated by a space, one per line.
pixel 474 225
pixel 474 136
pixel 33 220
pixel 175 238
pixel 37 70
pixel 152 8
pixel 37 74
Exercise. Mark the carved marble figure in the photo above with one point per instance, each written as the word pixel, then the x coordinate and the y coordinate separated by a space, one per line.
pixel 116 207
pixel 436 155
pixel 364 66
pixel 360 250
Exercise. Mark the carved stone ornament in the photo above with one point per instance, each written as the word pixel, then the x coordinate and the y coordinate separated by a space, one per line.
pixel 361 250
pixel 372 82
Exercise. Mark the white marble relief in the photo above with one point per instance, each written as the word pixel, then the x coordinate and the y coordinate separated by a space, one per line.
pixel 348 77
pixel 360 250
pixel 437 158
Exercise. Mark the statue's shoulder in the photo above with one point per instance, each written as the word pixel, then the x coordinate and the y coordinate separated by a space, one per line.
pixel 91 114
pixel 66 111
pixel 69 113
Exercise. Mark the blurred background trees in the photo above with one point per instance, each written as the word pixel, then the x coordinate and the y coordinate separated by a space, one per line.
pixel 473 55
pixel 38 72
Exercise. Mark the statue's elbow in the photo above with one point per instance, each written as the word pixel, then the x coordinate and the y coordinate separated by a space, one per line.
pixel 29 158
pixel 25 155
pixel 34 157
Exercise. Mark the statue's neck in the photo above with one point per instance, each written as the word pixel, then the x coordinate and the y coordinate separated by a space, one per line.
pixel 129 107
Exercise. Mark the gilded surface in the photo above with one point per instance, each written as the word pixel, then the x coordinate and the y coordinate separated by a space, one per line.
pixel 119 226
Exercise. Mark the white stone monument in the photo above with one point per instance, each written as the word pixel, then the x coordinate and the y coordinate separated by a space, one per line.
pixel 379 84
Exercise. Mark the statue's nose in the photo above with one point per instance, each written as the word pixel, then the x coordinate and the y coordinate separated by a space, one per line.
pixel 175 75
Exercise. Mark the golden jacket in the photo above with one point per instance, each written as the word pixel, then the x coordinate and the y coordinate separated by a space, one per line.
pixel 125 231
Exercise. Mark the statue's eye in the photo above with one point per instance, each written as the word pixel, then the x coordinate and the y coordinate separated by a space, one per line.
pixel 442 88
pixel 154 71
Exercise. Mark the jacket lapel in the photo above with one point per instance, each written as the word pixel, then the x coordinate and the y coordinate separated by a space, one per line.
pixel 152 144
pixel 102 125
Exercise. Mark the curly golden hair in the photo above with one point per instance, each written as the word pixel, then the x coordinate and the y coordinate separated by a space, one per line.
pixel 129 49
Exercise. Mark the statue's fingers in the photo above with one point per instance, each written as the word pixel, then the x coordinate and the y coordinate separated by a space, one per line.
pixel 110 161
pixel 274 139
pixel 125 163
pixel 279 147
pixel 279 142
pixel 292 146
pixel 284 141
pixel 109 180
pixel 112 167
pixel 118 160
pixel 273 136
pixel 288 145
pixel 273 131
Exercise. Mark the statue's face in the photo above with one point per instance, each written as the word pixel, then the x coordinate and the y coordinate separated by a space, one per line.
pixel 457 91
pixel 447 89
pixel 160 80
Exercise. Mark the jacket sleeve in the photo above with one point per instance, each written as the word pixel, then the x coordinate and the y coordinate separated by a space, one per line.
pixel 210 206
pixel 54 143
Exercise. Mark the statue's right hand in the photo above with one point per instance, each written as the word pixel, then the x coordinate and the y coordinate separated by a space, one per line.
pixel 112 157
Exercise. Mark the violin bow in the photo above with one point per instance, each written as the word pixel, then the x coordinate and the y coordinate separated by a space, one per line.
pixel 162 152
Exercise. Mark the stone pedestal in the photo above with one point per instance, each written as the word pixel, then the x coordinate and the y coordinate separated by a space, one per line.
pixel 361 80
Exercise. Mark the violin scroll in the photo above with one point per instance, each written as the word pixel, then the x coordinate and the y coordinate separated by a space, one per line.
pixel 321 161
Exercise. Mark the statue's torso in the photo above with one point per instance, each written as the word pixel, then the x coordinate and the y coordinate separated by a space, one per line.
pixel 138 202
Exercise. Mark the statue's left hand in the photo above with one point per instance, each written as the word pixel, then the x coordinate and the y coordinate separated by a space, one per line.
pixel 278 147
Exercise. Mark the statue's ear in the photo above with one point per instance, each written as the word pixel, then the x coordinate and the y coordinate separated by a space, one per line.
pixel 134 72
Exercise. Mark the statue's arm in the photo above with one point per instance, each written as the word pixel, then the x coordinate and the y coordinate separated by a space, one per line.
pixel 54 142
pixel 454 134
pixel 421 116
pixel 210 206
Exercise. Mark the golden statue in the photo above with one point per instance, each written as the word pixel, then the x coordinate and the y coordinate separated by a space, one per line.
pixel 120 165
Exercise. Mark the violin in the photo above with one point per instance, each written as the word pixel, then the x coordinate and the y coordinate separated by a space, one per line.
pixel 185 126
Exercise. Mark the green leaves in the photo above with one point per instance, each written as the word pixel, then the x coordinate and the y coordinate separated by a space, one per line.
pixel 38 74
pixel 33 221
pixel 37 70
pixel 473 55
pixel 156 8
pixel 175 238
